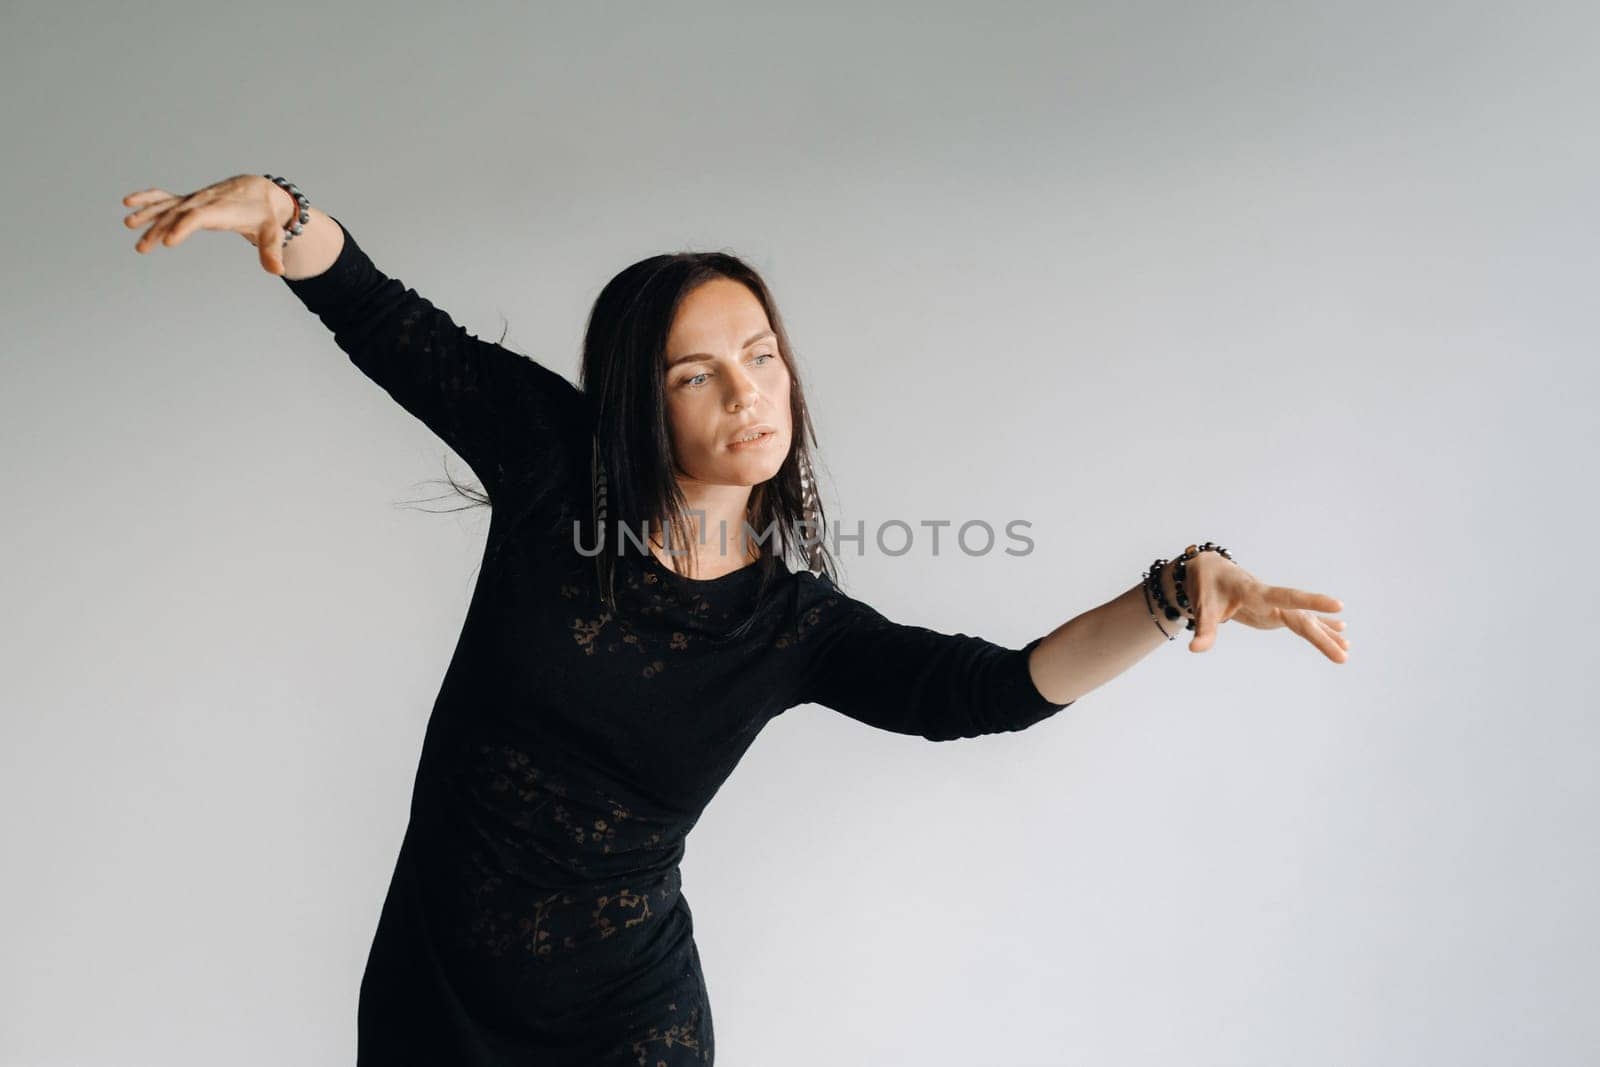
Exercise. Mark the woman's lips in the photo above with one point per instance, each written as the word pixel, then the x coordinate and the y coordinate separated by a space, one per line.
pixel 739 445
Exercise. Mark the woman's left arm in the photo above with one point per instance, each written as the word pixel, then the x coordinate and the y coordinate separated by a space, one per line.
pixel 1089 650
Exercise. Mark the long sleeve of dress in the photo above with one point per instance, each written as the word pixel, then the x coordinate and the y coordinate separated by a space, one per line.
pixel 501 412
pixel 910 679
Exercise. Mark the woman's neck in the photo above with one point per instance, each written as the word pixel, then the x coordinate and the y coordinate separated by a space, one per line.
pixel 724 545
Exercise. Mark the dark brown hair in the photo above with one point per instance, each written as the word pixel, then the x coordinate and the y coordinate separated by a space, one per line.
pixel 623 376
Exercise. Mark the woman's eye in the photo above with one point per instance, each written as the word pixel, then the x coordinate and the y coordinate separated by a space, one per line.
pixel 694 381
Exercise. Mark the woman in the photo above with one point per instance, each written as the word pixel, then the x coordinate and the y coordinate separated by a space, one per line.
pixel 605 685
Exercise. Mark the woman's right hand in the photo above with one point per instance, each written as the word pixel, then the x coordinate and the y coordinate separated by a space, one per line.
pixel 249 205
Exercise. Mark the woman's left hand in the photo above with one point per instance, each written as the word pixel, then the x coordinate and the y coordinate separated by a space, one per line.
pixel 1219 589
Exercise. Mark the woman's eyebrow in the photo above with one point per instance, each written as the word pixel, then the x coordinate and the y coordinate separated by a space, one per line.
pixel 706 355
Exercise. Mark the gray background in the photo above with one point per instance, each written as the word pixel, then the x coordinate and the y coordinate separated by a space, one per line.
pixel 1311 281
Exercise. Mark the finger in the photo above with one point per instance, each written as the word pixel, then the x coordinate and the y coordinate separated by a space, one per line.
pixel 158 226
pixel 1338 638
pixel 1309 627
pixel 1285 597
pixel 146 196
pixel 148 212
pixel 163 226
pixel 148 240
pixel 153 234
pixel 191 221
pixel 1205 627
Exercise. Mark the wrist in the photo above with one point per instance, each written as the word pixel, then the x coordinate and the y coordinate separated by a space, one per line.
pixel 284 206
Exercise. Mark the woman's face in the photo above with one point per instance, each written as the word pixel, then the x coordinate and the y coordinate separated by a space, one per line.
pixel 725 375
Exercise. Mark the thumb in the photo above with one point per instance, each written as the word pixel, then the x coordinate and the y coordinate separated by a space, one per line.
pixel 1205 631
pixel 268 245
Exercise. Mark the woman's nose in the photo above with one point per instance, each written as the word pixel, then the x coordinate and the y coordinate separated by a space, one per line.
pixel 743 390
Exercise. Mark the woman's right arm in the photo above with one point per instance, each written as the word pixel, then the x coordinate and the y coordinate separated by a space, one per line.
pixel 501 412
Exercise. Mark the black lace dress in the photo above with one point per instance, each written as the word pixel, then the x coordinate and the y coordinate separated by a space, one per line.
pixel 535 914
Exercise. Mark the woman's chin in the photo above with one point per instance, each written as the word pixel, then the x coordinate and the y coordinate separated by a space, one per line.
pixel 756 464
pixel 753 474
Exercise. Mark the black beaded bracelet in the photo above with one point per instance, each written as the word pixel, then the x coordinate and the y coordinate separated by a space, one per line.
pixel 302 212
pixel 1152 585
pixel 1163 629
